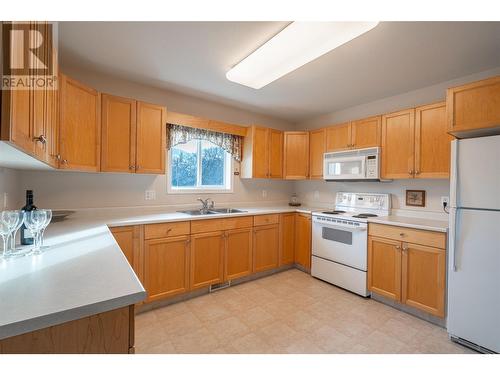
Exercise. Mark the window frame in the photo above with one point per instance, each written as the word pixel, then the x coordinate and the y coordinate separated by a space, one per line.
pixel 229 178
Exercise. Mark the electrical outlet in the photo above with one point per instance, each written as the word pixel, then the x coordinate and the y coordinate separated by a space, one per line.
pixel 264 193
pixel 150 195
pixel 445 200
pixel 316 195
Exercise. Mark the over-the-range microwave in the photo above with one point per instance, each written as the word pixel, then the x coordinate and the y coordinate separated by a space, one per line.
pixel 352 165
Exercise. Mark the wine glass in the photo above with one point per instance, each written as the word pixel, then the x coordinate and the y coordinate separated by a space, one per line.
pixel 34 221
pixel 47 222
pixel 9 221
pixel 15 219
pixel 4 233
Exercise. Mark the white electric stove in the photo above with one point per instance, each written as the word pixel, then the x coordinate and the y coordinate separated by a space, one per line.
pixel 340 238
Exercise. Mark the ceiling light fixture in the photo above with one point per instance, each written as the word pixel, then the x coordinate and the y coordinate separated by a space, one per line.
pixel 294 46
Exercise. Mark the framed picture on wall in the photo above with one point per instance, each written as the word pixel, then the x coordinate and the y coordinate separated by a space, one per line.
pixel 415 198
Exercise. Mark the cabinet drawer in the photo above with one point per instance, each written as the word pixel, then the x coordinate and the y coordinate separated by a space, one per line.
pixel 166 230
pixel 266 219
pixel 417 236
pixel 211 225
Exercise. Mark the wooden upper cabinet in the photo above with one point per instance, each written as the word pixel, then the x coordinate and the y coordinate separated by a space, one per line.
pixel 303 240
pixel 118 134
pixel 151 138
pixel 260 152
pixel 238 258
pixel 317 148
pixel 384 267
pixel 39 96
pixel 287 244
pixel 338 137
pixel 80 126
pixel 296 156
pixel 474 108
pixel 166 267
pixel 366 132
pixel 207 259
pixel 266 247
pixel 424 278
pixel 275 153
pixel 398 132
pixel 52 119
pixel 432 142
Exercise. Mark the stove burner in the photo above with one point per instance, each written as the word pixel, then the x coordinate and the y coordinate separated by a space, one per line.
pixel 364 216
pixel 336 212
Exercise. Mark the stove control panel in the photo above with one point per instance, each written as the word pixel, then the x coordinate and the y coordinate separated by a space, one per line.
pixel 359 201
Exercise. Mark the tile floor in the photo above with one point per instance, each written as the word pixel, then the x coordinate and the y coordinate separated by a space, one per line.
pixel 289 312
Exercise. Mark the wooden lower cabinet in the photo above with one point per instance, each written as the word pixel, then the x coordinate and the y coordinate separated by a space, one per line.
pixel 207 259
pixel 303 240
pixel 128 238
pixel 287 245
pixel 409 273
pixel 238 259
pixel 167 264
pixel 266 247
pixel 384 267
pixel 423 281
pixel 110 332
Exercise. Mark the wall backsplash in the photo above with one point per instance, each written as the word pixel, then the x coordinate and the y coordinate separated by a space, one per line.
pixel 321 193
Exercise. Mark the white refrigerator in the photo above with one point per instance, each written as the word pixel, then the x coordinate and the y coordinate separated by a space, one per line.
pixel 474 244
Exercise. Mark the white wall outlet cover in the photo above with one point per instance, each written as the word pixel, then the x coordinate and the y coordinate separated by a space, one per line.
pixel 150 195
pixel 445 200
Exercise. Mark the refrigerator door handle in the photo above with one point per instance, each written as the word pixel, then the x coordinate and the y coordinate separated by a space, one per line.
pixel 454 174
pixel 452 238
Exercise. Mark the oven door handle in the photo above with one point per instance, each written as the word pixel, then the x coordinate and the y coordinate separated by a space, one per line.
pixel 341 227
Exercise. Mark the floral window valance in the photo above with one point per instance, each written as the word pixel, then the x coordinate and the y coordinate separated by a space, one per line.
pixel 178 134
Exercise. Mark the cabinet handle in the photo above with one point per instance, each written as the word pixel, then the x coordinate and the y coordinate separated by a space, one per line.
pixel 41 138
pixel 398 247
pixel 401 234
pixel 131 167
pixel 138 167
pixel 410 172
pixel 64 161
pixel 417 172
pixel 405 247
pixel 169 230
pixel 188 241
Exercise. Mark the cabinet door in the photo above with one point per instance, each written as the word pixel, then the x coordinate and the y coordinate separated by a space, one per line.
pixel 239 253
pixel 398 132
pixel 423 278
pixel 287 245
pixel 118 134
pixel 151 138
pixel 473 106
pixel 260 152
pixel 303 240
pixel 266 247
pixel 432 142
pixel 296 165
pixel 128 238
pixel 338 137
pixel 384 267
pixel 52 122
pixel 80 126
pixel 366 132
pixel 317 145
pixel 39 94
pixel 207 256
pixel 275 153
pixel 166 266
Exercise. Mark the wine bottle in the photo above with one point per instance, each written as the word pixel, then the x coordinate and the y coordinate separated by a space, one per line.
pixel 26 235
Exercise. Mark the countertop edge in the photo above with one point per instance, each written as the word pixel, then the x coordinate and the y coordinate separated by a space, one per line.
pixel 409 225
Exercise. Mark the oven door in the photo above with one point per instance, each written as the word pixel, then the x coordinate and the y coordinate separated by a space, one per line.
pixel 344 168
pixel 344 245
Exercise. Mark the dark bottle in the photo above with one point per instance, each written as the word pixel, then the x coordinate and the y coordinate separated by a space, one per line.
pixel 26 236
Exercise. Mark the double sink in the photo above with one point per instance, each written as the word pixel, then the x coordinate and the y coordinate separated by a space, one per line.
pixel 213 211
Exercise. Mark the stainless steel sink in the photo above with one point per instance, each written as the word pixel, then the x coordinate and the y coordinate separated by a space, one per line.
pixel 198 212
pixel 226 210
pixel 213 211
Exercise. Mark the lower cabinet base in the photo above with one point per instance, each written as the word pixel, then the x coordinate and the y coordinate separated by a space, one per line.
pixel 199 292
pixel 110 332
pixel 410 310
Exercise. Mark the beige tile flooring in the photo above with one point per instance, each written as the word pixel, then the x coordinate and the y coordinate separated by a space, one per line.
pixel 288 312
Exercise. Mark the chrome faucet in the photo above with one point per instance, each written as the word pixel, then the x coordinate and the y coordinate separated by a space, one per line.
pixel 207 204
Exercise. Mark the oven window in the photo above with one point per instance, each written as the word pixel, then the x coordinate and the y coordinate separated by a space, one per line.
pixel 337 235
pixel 345 168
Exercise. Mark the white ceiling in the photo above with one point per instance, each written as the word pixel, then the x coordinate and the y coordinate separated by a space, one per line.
pixel 193 58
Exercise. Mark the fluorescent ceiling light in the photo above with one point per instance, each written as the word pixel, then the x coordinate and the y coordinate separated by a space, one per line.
pixel 294 46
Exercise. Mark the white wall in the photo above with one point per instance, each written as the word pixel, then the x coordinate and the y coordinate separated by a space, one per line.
pixel 10 184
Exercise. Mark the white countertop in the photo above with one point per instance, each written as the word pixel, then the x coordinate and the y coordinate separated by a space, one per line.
pixel 84 272
pixel 412 222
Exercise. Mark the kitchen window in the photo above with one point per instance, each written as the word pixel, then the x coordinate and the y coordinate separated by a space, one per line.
pixel 199 166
